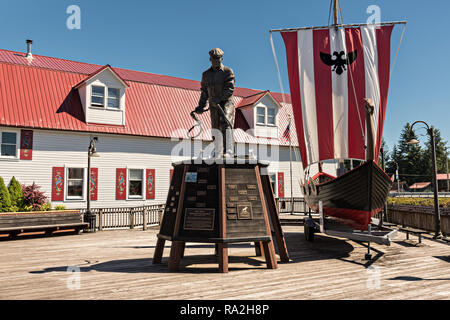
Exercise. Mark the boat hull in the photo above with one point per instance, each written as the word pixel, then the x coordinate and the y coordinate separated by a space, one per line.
pixel 353 198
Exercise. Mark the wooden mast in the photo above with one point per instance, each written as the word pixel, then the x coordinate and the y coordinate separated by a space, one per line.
pixel 335 12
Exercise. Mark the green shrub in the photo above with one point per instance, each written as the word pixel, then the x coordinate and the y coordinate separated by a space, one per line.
pixel 5 198
pixel 46 206
pixel 16 193
pixel 27 208
pixel 14 209
pixel 443 202
pixel 60 208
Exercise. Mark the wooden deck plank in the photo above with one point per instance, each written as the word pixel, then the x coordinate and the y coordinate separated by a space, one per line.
pixel 118 265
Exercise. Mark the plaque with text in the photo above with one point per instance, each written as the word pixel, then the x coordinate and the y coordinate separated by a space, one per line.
pixel 244 211
pixel 199 219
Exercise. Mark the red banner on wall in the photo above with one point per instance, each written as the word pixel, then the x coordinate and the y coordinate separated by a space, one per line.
pixel 150 184
pixel 26 145
pixel 93 186
pixel 58 184
pixel 280 184
pixel 121 184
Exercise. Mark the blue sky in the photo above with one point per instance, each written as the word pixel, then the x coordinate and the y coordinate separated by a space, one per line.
pixel 174 37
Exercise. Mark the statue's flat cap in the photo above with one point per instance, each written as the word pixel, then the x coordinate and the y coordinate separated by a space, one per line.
pixel 216 53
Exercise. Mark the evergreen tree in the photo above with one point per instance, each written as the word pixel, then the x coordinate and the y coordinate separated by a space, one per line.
pixel 410 158
pixel 441 157
pixel 5 199
pixel 16 193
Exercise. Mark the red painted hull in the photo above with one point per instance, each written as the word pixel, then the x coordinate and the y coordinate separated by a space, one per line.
pixel 353 198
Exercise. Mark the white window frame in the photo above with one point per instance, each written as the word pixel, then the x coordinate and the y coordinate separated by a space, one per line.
pixel 266 116
pixel 66 182
pixel 274 187
pixel 133 197
pixel 118 99
pixel 95 105
pixel 17 144
pixel 105 98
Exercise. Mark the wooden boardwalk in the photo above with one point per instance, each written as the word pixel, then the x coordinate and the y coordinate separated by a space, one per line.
pixel 118 265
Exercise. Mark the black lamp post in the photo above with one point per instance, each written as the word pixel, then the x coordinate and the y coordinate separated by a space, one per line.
pixel 438 233
pixel 89 217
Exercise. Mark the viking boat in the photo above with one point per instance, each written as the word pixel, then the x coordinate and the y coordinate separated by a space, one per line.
pixel 339 80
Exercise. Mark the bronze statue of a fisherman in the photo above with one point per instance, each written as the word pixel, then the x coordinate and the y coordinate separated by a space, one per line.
pixel 217 88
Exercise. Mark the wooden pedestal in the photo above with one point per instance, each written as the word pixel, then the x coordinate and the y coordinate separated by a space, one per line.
pixel 221 203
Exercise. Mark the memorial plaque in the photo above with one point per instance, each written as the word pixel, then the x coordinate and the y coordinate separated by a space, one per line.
pixel 245 211
pixel 204 169
pixel 202 181
pixel 242 192
pixel 201 193
pixel 199 219
pixel 252 198
pixel 172 199
pixel 191 199
pixel 231 205
pixel 231 210
pixel 234 199
pixel 232 186
pixel 251 187
pixel 191 177
pixel 232 216
pixel 200 205
pixel 211 187
pixel 172 204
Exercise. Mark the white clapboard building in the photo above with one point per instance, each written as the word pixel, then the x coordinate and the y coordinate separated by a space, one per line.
pixel 50 109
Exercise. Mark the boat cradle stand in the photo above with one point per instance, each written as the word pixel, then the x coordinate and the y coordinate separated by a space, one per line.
pixel 376 234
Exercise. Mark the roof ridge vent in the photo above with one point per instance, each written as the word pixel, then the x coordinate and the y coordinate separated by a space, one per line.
pixel 29 55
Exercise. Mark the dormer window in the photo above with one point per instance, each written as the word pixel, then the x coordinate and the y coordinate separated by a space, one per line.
pixel 98 96
pixel 113 98
pixel 265 115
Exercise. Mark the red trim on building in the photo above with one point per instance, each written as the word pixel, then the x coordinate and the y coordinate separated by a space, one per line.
pixel 280 184
pixel 26 145
pixel 58 184
pixel 93 185
pixel 121 184
pixel 150 179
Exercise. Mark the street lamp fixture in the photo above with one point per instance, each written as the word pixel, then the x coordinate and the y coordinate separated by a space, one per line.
pixel 412 140
pixel 89 216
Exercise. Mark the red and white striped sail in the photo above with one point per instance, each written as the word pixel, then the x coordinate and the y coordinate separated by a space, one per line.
pixel 331 71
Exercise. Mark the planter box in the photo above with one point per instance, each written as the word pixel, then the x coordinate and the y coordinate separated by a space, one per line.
pixel 420 217
pixel 49 221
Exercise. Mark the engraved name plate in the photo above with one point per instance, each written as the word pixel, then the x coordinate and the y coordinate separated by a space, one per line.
pixel 232 186
pixel 191 199
pixel 252 198
pixel 201 193
pixel 245 211
pixel 199 219
pixel 202 181
pixel 200 205
pixel 232 216
pixel 235 199
pixel 203 170
pixel 242 192
pixel 211 187
pixel 251 186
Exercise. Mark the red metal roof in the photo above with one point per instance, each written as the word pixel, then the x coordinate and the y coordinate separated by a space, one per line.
pixel 420 185
pixel 40 94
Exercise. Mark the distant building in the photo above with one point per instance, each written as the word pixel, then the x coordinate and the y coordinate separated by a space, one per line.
pixel 421 187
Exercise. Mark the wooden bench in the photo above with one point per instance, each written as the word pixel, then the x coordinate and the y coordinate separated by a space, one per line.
pixel 14 224
pixel 416 232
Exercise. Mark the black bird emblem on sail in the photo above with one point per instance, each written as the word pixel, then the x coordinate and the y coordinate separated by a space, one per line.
pixel 338 60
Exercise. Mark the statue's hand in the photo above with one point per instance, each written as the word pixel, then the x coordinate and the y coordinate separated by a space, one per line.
pixel 199 110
